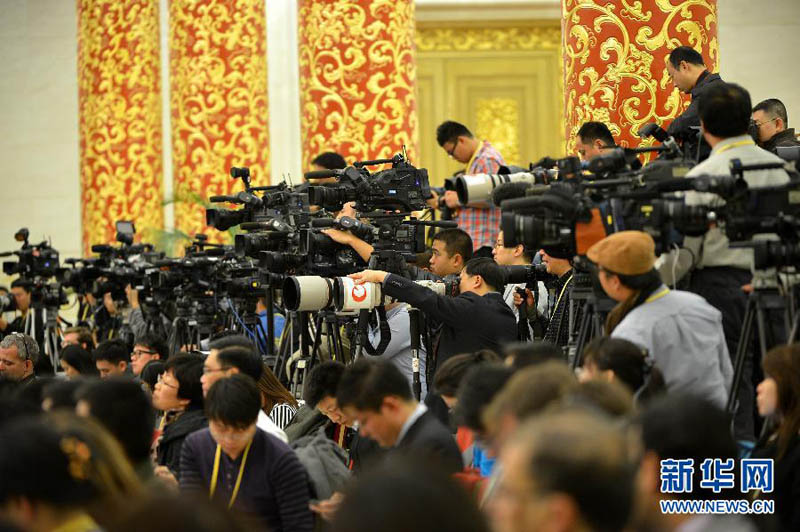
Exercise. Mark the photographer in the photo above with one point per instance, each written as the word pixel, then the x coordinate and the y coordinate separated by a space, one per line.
pixel 517 256
pixel 137 321
pixel 477 318
pixel 398 352
pixel 593 139
pixel 773 126
pixel 721 274
pixel 688 73
pixel 481 224
pixel 21 290
pixel 681 331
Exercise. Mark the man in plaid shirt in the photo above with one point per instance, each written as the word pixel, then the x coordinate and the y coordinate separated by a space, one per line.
pixel 481 223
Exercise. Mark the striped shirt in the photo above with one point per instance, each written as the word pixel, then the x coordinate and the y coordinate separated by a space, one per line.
pixel 482 224
pixel 282 414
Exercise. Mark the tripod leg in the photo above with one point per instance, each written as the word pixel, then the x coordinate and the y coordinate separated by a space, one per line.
pixel 583 334
pixel 741 353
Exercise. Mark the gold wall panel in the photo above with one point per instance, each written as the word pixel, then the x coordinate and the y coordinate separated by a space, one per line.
pixel 502 82
pixel 218 80
pixel 119 117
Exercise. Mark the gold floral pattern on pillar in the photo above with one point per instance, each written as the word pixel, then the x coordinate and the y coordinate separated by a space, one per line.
pixel 357 78
pixel 218 101
pixel 498 119
pixel 119 117
pixel 615 54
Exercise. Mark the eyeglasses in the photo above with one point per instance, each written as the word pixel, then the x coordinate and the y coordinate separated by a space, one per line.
pixel 759 124
pixel 139 352
pixel 165 383
pixel 452 150
pixel 207 370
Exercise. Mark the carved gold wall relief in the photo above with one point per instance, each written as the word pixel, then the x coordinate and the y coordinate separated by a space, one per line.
pixel 119 106
pixel 218 80
pixel 357 78
pixel 615 55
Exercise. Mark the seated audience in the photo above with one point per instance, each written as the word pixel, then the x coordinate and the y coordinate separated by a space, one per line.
pixel 77 362
pixel 80 336
pixel 112 358
pixel 150 374
pixel 235 462
pixel 60 394
pixel 19 354
pixel 615 359
pixel 276 400
pixel 146 348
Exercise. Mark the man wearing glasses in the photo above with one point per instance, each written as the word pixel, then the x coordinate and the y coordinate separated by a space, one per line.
pixel 18 354
pixel 147 348
pixel 481 223
pixel 773 126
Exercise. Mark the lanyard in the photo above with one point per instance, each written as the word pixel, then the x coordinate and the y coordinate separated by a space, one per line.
pixel 563 289
pixel 746 142
pixel 657 296
pixel 474 155
pixel 215 474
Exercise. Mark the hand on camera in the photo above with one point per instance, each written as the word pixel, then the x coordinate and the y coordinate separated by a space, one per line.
pixel 133 296
pixel 108 302
pixel 348 209
pixel 339 236
pixel 433 201
pixel 528 299
pixel 451 199
pixel 369 276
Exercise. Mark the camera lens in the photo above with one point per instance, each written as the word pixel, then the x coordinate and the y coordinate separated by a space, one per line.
pixel 308 292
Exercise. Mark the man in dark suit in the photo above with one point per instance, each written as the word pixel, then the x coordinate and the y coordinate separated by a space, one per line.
pixel 378 395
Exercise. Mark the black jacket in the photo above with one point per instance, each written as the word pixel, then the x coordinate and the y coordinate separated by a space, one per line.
pixel 782 139
pixel 431 440
pixel 469 322
pixel 169 448
pixel 681 127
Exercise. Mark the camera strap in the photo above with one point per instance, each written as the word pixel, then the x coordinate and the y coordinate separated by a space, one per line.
pixel 386 334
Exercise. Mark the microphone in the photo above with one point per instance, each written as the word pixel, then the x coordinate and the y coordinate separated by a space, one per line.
pixel 514 189
pixel 322 174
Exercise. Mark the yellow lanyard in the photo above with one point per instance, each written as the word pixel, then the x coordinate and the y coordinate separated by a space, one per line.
pixel 474 155
pixel 657 296
pixel 215 474
pixel 747 142
pixel 563 289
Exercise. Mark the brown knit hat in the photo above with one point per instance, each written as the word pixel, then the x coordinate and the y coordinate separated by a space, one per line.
pixel 626 252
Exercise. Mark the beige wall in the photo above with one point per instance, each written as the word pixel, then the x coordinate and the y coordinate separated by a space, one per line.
pixel 39 125
pixel 759 43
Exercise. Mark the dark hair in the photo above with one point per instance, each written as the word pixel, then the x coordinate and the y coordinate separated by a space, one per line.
pixel 591 131
pixel 151 372
pixel 774 108
pixel 272 391
pixel 478 387
pixel 173 513
pixel 642 285
pixel 685 53
pixel 585 458
pixel 526 354
pixel 124 409
pixel 381 499
pixel 80 359
pixel 725 110
pixel 25 284
pixel 450 374
pixel 114 351
pixel 682 427
pixel 234 401
pixel 188 369
pixel 365 384
pixel 62 393
pixel 609 398
pixel 329 160
pixel 782 364
pixel 322 382
pixel 154 342
pixel 449 131
pixel 491 272
pixel 230 339
pixel 84 336
pixel 629 363
pixel 456 241
pixel 245 359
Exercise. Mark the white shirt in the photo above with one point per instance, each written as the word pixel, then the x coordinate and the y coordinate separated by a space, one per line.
pixel 269 426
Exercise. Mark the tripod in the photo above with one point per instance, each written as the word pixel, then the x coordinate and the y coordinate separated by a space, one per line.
pixel 594 311
pixel 50 342
pixel 761 302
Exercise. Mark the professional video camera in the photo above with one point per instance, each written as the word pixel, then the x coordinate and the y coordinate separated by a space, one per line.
pixel 34 260
pixel 402 187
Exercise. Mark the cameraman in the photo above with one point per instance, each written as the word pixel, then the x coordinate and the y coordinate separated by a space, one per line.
pixel 141 325
pixel 688 73
pixel 477 318
pixel 592 139
pixel 772 122
pixel 517 256
pixel 398 352
pixel 480 223
pixel 721 274
pixel 21 290
pixel 451 249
